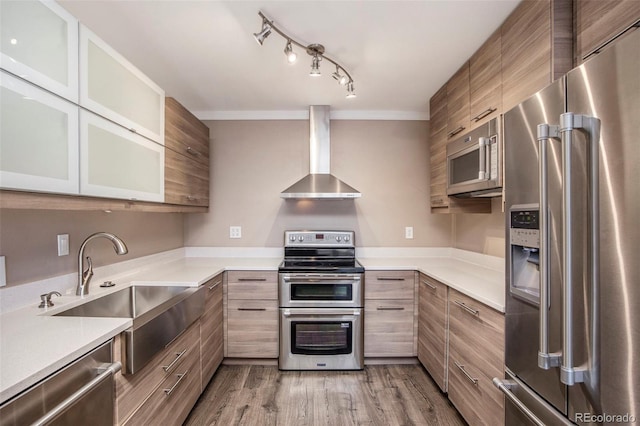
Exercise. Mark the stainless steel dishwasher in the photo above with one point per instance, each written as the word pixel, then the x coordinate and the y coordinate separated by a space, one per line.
pixel 80 393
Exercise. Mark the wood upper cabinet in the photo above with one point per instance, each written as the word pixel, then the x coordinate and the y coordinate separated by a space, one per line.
pixel 432 328
pixel 251 314
pixel 390 314
pixel 458 102
pixel 476 356
pixel 211 330
pixel 536 48
pixel 485 81
pixel 186 157
pixel 597 22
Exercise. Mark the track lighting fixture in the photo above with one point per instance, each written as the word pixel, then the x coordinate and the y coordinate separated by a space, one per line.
pixel 316 51
pixel 290 54
pixel 264 32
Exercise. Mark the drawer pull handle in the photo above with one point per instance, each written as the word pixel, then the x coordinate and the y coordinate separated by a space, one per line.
pixel 428 284
pixel 180 377
pixel 456 131
pixel 191 198
pixel 466 308
pixel 390 279
pixel 192 151
pixel 166 368
pixel 469 376
pixel 389 308
pixel 252 309
pixel 214 285
pixel 251 279
pixel 483 114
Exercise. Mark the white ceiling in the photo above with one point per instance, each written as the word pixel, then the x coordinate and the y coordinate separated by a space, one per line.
pixel 204 55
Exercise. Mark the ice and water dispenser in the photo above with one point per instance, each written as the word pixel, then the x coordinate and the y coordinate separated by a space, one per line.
pixel 524 238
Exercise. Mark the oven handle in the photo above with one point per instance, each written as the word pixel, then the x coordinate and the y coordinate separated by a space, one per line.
pixel 318 279
pixel 302 312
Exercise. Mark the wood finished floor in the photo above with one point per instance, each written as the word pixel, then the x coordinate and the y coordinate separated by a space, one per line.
pixel 385 395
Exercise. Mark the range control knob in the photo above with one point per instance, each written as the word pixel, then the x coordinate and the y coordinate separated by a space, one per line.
pixel 338 238
pixel 346 238
pixel 300 238
pixel 292 237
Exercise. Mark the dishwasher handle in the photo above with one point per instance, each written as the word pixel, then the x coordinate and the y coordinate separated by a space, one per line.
pixel 105 373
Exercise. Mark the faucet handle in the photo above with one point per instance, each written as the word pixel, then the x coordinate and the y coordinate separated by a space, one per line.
pixel 45 299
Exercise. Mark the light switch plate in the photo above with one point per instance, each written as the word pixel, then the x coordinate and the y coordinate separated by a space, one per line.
pixel 408 232
pixel 3 272
pixel 63 245
pixel 235 232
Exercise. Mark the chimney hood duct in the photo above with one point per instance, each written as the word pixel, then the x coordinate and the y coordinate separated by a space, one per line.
pixel 320 184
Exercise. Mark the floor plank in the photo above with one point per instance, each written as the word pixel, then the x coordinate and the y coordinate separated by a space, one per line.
pixel 380 395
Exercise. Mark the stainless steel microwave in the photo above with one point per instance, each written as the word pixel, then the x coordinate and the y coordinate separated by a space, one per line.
pixel 474 162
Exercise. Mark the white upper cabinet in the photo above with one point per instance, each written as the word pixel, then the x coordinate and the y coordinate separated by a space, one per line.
pixel 113 88
pixel 38 139
pixel 39 43
pixel 118 163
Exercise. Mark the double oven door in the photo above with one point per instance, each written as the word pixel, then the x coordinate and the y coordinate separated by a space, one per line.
pixel 321 324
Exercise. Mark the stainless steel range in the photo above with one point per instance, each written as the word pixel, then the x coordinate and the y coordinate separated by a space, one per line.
pixel 321 296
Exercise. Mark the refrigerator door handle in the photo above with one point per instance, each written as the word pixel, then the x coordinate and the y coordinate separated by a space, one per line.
pixel 505 386
pixel 546 360
pixel 569 373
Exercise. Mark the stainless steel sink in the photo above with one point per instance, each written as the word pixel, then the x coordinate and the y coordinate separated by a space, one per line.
pixel 159 313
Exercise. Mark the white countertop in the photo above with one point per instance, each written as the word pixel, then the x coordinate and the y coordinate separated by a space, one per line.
pixel 34 344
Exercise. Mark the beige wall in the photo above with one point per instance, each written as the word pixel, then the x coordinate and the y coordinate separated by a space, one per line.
pixel 482 233
pixel 28 239
pixel 253 161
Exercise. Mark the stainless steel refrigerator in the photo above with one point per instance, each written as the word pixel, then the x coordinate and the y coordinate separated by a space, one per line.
pixel 572 178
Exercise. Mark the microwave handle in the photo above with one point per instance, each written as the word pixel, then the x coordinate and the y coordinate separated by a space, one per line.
pixel 483 145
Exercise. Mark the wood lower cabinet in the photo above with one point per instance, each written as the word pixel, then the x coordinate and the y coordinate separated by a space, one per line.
pixel 186 157
pixel 251 314
pixel 390 322
pixel 144 397
pixel 597 22
pixel 211 330
pixel 432 328
pixel 476 356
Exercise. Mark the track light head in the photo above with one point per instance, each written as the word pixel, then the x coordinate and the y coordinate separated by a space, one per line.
pixel 350 90
pixel 290 54
pixel 264 33
pixel 341 79
pixel 315 66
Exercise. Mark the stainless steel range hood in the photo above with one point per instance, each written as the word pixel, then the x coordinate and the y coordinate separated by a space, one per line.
pixel 320 183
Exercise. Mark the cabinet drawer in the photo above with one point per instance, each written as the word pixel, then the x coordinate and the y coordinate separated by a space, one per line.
pixel 432 329
pixel 262 285
pixel 389 284
pixel 388 328
pixel 132 390
pixel 252 328
pixel 476 346
pixel 172 401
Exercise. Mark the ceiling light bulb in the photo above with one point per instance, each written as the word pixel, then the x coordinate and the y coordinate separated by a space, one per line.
pixel 350 91
pixel 264 33
pixel 291 55
pixel 315 67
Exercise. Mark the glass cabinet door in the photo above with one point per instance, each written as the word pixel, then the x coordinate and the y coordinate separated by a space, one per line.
pixel 113 88
pixel 39 43
pixel 38 139
pixel 118 163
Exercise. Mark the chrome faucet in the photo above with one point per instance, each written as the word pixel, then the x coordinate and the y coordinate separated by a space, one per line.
pixel 84 275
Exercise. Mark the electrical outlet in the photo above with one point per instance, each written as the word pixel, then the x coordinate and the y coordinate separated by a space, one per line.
pixel 235 232
pixel 408 232
pixel 63 245
pixel 3 272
